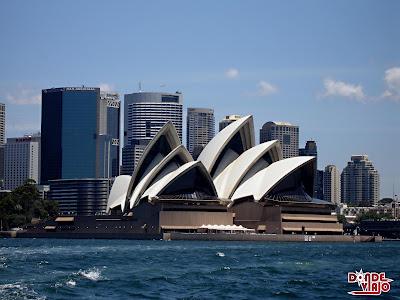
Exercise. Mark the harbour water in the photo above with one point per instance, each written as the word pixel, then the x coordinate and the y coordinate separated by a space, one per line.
pixel 126 269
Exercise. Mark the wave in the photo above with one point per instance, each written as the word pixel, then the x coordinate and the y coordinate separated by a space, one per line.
pixel 71 283
pixel 18 291
pixel 93 274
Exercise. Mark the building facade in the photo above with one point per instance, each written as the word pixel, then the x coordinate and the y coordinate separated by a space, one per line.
pixel 332 184
pixel 200 129
pixel 228 120
pixel 84 197
pixel 131 155
pixel 2 141
pixel 286 133
pixel 360 182
pixel 311 149
pixel 2 123
pixel 144 115
pixel 319 184
pixel 80 135
pixel 22 161
pixel 109 131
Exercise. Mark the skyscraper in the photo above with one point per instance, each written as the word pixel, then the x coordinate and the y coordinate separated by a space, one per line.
pixel 311 150
pixel 22 160
pixel 319 184
pixel 332 184
pixel 2 141
pixel 200 129
pixel 286 133
pixel 228 120
pixel 360 182
pixel 79 133
pixel 2 123
pixel 144 115
pixel 109 130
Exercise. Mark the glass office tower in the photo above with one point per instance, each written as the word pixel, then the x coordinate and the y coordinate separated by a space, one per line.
pixel 76 136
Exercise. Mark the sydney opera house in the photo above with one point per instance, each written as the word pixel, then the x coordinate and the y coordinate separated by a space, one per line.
pixel 233 182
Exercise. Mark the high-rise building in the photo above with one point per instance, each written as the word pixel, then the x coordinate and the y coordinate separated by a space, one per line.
pixel 332 184
pixel 80 135
pixel 2 141
pixel 286 133
pixel 131 155
pixel 2 123
pixel 319 184
pixel 22 160
pixel 228 120
pixel 360 182
pixel 144 115
pixel 311 150
pixel 109 131
pixel 200 129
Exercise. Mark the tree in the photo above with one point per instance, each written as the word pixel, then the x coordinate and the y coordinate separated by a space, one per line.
pixel 372 215
pixel 384 201
pixel 342 219
pixel 24 203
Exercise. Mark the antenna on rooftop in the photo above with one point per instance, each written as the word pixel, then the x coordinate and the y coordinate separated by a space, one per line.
pixel 140 86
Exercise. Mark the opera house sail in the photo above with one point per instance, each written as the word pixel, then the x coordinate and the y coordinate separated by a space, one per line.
pixel 233 181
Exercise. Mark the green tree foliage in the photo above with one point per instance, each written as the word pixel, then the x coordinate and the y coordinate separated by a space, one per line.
pixel 372 215
pixel 384 201
pixel 342 219
pixel 21 205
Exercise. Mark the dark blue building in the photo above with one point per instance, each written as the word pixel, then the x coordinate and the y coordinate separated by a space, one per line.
pixel 311 150
pixel 75 134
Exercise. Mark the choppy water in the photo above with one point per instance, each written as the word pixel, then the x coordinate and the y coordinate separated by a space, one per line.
pixel 112 269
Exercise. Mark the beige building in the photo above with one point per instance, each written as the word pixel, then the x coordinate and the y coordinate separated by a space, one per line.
pixel 200 129
pixel 228 120
pixel 286 133
pixel 360 182
pixel 332 184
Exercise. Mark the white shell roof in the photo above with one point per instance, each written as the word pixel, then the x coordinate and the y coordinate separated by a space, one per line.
pixel 214 148
pixel 262 182
pixel 146 180
pixel 229 179
pixel 169 131
pixel 160 185
pixel 118 192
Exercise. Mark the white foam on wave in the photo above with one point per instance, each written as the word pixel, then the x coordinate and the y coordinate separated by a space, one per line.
pixel 71 283
pixel 220 254
pixel 18 291
pixel 93 274
pixel 3 264
pixel 10 286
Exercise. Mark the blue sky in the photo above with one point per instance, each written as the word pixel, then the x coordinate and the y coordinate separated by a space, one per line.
pixel 331 67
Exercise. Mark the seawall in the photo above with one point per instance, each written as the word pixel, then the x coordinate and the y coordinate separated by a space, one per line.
pixel 269 237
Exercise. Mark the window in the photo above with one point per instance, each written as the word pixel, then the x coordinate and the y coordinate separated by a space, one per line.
pixel 286 139
pixel 170 98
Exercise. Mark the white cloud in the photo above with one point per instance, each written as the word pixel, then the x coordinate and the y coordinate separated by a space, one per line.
pixel 343 89
pixel 392 81
pixel 232 73
pixel 24 97
pixel 105 87
pixel 266 88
